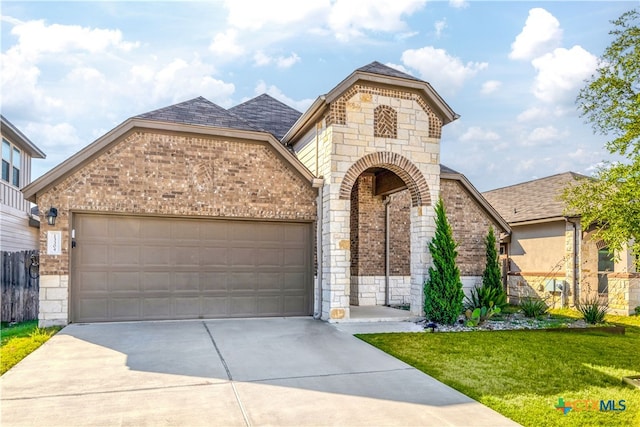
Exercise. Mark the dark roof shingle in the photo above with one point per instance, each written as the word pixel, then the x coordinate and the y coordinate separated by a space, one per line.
pixel 198 111
pixel 377 68
pixel 532 200
pixel 268 114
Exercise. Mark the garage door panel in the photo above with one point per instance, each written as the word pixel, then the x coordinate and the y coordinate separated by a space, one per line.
pixel 294 281
pixel 271 257
pixel 186 282
pixel 124 308
pixel 154 229
pixel 243 306
pixel 291 304
pixel 124 229
pixel 214 281
pixel 128 268
pixel 269 306
pixel 155 281
pixel 126 255
pixel 270 281
pixel 185 231
pixel 156 308
pixel 217 306
pixel 186 256
pixel 125 281
pixel 92 309
pixel 242 256
pixel 155 255
pixel 295 257
pixel 187 307
pixel 242 281
pixel 214 256
pixel 93 281
pixel 93 254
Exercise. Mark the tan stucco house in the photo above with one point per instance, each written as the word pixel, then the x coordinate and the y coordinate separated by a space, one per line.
pixel 18 227
pixel 196 211
pixel 554 255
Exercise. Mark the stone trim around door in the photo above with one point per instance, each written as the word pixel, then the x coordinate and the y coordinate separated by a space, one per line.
pixel 396 163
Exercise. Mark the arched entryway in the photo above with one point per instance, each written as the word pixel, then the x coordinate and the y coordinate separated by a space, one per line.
pixel 386 193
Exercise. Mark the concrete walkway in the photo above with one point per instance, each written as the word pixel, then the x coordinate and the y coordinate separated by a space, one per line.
pixel 287 372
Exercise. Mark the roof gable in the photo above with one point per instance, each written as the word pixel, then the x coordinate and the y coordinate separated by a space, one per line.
pixel 13 134
pixel 268 114
pixel 384 70
pixel 198 111
pixel 448 173
pixel 532 200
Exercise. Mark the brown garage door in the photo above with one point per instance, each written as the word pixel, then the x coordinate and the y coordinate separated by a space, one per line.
pixel 143 268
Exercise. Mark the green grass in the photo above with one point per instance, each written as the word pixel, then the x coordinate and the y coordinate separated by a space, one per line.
pixel 521 374
pixel 18 341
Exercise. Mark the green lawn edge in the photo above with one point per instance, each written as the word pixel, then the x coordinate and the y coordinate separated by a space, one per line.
pixel 20 340
pixel 522 374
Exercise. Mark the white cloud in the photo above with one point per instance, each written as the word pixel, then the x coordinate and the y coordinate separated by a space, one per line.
pixel 547 134
pixel 475 133
pixel 53 137
pixel 180 80
pixel 261 59
pixel 275 92
pixel 398 67
pixel 490 86
pixel 533 113
pixel 458 4
pixel 445 72
pixel 253 15
pixel 541 34
pixel 226 46
pixel 561 73
pixel 36 38
pixel 440 26
pixel 349 19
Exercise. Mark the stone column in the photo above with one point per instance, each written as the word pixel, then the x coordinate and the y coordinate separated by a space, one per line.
pixel 422 231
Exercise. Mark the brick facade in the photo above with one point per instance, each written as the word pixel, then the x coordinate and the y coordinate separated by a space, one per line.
pixel 470 226
pixel 169 174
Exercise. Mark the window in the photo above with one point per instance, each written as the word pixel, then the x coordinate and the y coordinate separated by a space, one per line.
pixel 605 266
pixel 11 161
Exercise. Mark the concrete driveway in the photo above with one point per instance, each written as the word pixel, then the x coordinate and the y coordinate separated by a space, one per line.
pixel 295 371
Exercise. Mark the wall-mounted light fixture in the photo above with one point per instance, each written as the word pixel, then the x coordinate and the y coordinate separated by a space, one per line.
pixel 52 214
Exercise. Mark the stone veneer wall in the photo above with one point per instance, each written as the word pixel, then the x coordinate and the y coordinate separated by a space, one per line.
pixel 149 173
pixel 344 137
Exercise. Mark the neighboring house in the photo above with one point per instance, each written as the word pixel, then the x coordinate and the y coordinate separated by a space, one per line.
pixel 554 256
pixel 18 227
pixel 195 211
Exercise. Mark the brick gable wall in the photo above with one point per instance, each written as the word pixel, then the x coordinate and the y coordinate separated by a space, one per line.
pixel 470 226
pixel 178 175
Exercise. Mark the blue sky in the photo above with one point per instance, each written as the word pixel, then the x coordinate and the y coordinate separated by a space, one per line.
pixel 71 71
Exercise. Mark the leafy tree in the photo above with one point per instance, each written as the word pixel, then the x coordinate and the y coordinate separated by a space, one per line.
pixel 443 289
pixel 491 277
pixel 611 103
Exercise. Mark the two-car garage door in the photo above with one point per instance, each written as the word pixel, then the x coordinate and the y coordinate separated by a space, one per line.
pixel 143 268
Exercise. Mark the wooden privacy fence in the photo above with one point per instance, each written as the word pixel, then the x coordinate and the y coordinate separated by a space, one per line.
pixel 20 285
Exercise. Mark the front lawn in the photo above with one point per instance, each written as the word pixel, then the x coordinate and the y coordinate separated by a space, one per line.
pixel 522 374
pixel 18 341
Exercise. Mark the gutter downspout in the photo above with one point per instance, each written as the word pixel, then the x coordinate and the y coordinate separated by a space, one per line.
pixel 574 264
pixel 386 203
pixel 319 219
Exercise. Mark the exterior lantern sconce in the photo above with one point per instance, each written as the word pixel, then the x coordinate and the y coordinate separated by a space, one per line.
pixel 52 214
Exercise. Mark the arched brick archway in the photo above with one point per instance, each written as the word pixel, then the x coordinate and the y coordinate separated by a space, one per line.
pixel 401 166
